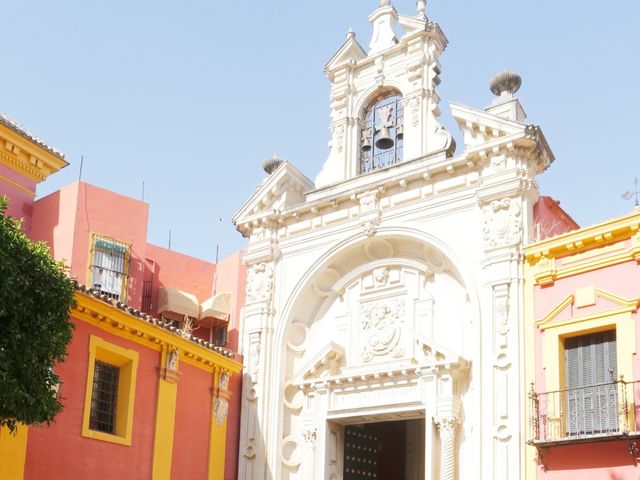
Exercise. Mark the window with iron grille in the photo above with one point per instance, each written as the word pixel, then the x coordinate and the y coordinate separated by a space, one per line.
pixel 147 289
pixel 104 397
pixel 110 265
pixel 592 395
pixel 382 136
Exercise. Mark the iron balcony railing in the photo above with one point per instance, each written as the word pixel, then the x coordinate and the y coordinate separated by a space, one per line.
pixel 596 412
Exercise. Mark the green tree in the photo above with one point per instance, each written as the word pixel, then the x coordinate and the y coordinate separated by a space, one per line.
pixel 35 298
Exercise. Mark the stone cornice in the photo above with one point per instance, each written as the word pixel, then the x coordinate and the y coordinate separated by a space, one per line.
pixel 341 195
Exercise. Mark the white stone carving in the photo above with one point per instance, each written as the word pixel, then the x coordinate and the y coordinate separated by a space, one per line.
pixel 447 428
pixel 414 108
pixel 338 132
pixel 381 324
pixel 369 228
pixel 224 381
pixel 259 283
pixel 502 223
pixel 221 409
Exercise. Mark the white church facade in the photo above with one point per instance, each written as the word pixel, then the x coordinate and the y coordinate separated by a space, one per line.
pixel 383 329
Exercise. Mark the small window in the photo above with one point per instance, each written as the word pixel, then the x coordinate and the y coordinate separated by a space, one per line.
pixel 104 397
pixel 220 335
pixel 110 392
pixel 382 136
pixel 109 266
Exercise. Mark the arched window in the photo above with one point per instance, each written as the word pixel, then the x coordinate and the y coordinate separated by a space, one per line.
pixel 383 134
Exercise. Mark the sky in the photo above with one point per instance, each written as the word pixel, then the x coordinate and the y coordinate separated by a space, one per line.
pixel 191 96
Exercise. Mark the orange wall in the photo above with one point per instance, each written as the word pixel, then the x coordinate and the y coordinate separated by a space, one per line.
pixel 192 424
pixel 232 277
pixel 182 272
pixel 59 452
pixel 550 219
pixel 54 221
pixel 20 202
pixel 595 461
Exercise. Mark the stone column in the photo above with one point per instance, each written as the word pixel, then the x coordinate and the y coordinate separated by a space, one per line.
pixel 257 337
pixel 447 421
pixel 447 428
pixel 310 437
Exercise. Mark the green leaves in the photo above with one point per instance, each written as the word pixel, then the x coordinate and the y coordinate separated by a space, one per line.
pixel 36 296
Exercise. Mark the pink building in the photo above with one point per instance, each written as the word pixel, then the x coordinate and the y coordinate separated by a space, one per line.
pixel 163 325
pixel 582 340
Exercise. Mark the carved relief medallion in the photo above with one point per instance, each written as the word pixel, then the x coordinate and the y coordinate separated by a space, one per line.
pixel 502 223
pixel 381 324
pixel 259 283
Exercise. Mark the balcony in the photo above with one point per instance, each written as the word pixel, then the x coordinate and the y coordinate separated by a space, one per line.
pixel 602 412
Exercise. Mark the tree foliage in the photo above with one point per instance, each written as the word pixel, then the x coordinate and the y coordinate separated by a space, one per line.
pixel 35 299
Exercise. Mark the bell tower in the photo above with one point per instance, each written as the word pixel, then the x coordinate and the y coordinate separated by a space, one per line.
pixel 391 288
pixel 401 63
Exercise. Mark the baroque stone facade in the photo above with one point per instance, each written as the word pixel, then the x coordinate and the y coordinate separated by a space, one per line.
pixel 388 295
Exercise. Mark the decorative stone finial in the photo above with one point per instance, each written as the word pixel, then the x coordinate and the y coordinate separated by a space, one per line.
pixel 351 34
pixel 271 164
pixel 508 82
pixel 422 8
pixel 384 21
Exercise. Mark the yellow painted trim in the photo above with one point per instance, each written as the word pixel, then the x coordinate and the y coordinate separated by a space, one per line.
pixel 531 453
pixel 553 344
pixel 556 311
pixel 217 436
pixel 613 230
pixel 165 425
pixel 26 157
pixel 13 452
pixel 124 288
pixel 625 306
pixel 127 361
pixel 18 186
pixel 120 323
pixel 591 248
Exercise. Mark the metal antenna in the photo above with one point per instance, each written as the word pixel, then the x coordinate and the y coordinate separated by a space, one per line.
pixel 636 192
pixel 143 190
pixel 215 276
pixel 81 164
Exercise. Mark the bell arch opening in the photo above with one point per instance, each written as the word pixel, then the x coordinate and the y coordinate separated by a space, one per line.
pixel 382 132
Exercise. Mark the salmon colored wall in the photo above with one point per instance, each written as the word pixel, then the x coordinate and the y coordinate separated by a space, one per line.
pixel 594 461
pixel 232 277
pixel 550 220
pixel 20 202
pixel 192 424
pixel 108 213
pixel 182 272
pixel 60 452
pixel 54 220
pixel 622 279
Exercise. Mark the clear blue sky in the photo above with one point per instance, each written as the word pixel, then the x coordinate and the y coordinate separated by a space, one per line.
pixel 190 96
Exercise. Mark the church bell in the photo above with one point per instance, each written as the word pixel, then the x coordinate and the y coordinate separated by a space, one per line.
pixel 384 141
pixel 400 132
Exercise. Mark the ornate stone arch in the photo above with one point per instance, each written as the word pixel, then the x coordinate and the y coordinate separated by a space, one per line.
pixel 323 280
